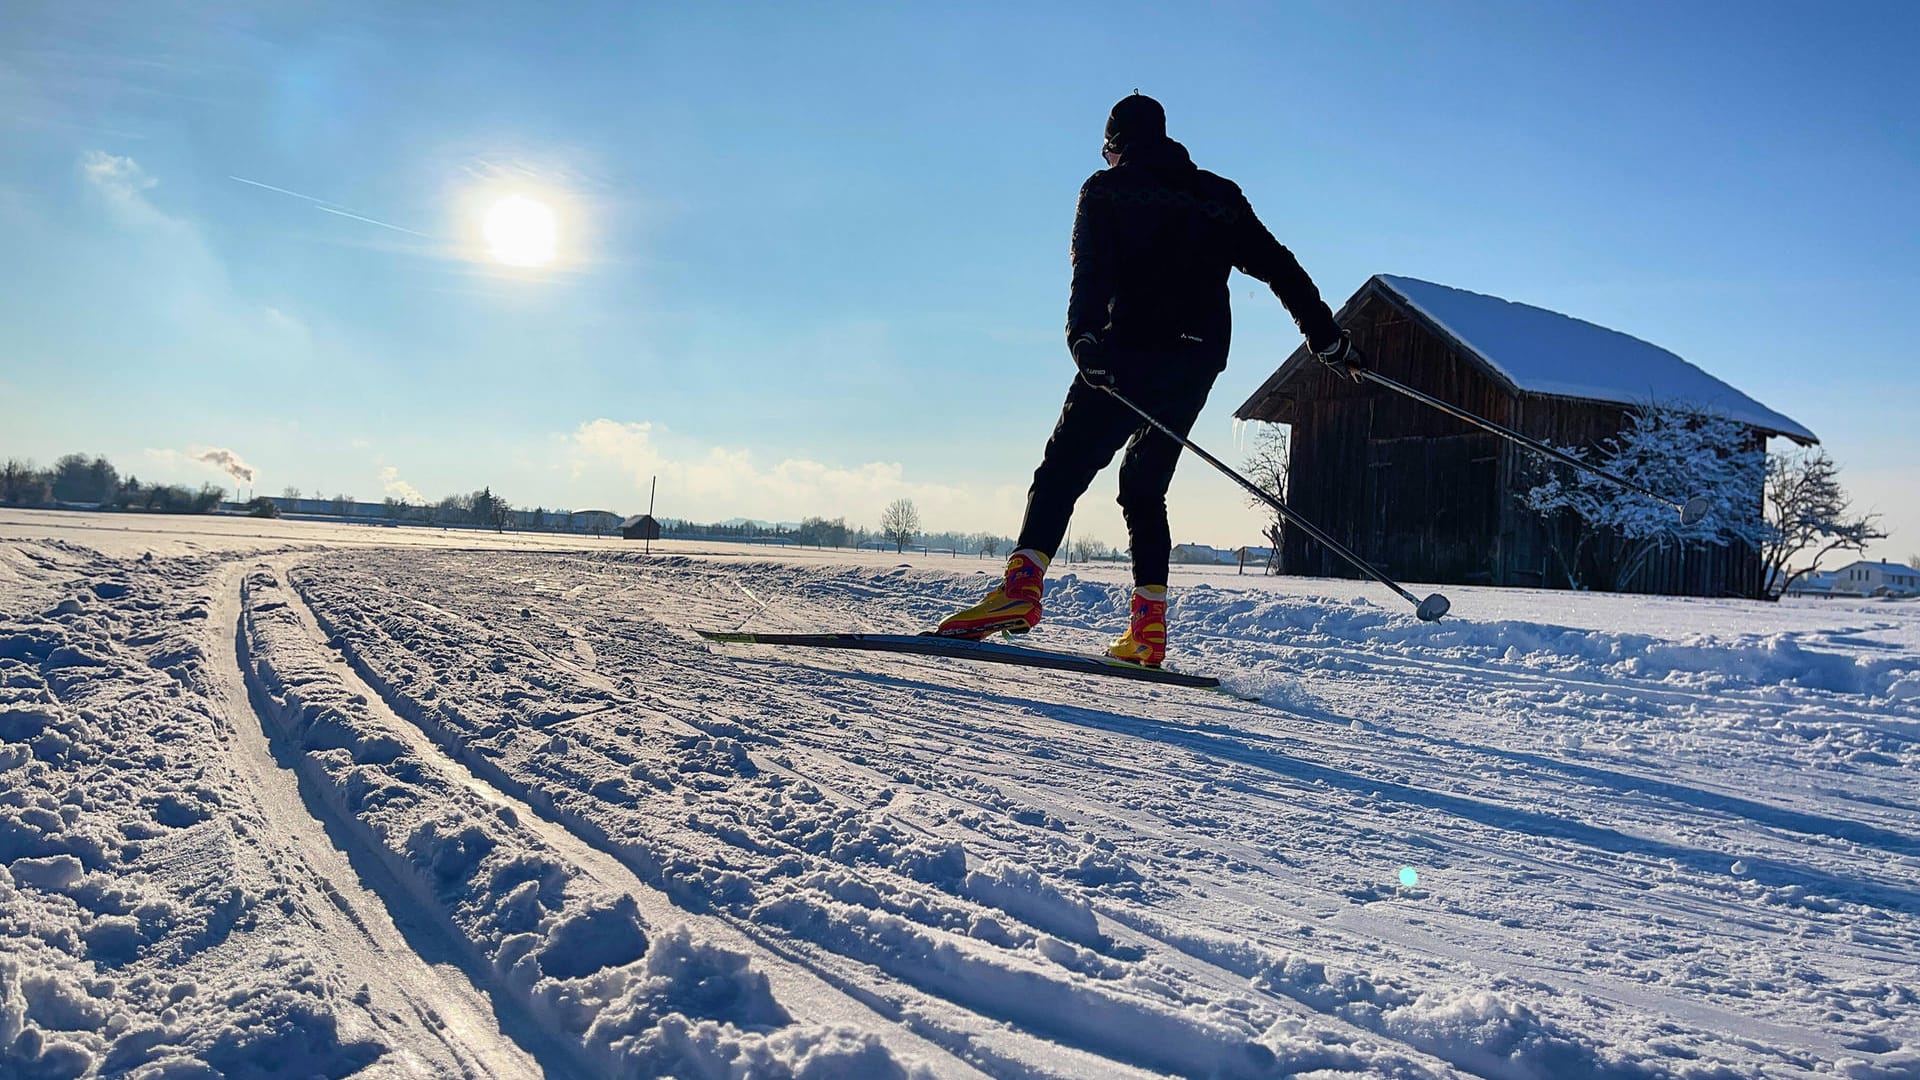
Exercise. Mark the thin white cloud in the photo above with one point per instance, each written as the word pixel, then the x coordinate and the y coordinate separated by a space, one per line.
pixel 617 461
pixel 117 177
pixel 163 264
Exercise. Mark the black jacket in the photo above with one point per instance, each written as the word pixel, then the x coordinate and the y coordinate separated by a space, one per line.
pixel 1153 240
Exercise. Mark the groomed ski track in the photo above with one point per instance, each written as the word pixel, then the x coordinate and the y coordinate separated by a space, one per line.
pixel 554 832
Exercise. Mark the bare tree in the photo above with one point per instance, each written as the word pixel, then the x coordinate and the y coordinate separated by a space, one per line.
pixel 1807 511
pixel 1087 549
pixel 1266 466
pixel 289 492
pixel 1914 561
pixel 899 522
pixel 990 545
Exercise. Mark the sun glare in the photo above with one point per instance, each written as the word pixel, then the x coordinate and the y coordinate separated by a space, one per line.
pixel 521 232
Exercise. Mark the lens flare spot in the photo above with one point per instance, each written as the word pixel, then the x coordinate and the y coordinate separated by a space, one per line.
pixel 1408 877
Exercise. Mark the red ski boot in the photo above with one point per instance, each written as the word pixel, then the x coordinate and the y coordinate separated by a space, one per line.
pixel 1013 607
pixel 1145 641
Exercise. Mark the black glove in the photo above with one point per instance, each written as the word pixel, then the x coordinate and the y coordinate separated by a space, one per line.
pixel 1090 357
pixel 1343 357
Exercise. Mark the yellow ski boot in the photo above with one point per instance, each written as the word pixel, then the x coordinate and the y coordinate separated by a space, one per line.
pixel 1013 607
pixel 1145 641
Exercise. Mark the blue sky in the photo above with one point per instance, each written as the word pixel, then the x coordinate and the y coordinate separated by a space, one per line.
pixel 814 257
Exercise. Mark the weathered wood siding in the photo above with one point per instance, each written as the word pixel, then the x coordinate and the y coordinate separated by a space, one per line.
pixel 1429 498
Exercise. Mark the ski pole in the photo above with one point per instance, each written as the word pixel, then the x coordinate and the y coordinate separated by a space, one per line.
pixel 1428 610
pixel 1691 511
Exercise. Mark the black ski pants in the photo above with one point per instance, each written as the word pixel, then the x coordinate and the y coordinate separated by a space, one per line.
pixel 1093 426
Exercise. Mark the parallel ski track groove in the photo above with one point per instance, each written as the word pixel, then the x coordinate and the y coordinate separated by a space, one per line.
pixel 1193 966
pixel 659 907
pixel 252 727
pixel 821 964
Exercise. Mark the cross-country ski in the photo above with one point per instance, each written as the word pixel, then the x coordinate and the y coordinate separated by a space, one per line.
pixel 991 652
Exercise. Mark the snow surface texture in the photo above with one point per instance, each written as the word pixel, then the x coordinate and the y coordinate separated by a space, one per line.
pixel 1545 352
pixel 1651 837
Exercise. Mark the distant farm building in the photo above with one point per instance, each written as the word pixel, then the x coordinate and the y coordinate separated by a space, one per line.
pixel 1201 553
pixel 598 522
pixel 640 527
pixel 1427 497
pixel 1865 578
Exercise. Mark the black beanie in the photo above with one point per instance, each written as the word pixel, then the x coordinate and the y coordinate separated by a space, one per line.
pixel 1135 117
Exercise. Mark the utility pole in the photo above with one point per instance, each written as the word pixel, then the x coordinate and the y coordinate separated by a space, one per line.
pixel 652 522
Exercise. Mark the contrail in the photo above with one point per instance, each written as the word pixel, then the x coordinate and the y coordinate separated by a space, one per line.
pixel 281 190
pixel 370 221
pixel 329 207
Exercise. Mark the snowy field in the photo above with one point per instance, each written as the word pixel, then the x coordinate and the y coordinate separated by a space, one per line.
pixel 292 799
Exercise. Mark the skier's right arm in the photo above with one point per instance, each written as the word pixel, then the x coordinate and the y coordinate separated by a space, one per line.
pixel 1089 305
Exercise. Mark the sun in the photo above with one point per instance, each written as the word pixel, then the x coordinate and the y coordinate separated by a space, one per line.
pixel 521 232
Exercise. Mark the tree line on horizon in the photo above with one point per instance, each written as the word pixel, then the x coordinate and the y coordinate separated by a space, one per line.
pixel 76 479
pixel 899 528
pixel 81 480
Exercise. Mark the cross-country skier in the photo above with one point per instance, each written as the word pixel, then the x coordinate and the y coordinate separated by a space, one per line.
pixel 1153 240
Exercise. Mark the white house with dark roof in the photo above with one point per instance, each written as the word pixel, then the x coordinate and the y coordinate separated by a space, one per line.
pixel 1876 579
pixel 1426 496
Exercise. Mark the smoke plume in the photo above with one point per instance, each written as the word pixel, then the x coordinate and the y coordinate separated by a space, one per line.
pixel 229 461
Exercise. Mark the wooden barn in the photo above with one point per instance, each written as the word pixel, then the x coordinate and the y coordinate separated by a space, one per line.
pixel 1430 498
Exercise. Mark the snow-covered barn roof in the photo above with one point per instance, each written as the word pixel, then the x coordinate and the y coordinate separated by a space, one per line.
pixel 1537 351
pixel 1545 352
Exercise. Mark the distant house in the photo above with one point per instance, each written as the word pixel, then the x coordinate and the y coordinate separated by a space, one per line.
pixel 332 508
pixel 1876 579
pixel 1427 497
pixel 1202 553
pixel 640 527
pixel 598 522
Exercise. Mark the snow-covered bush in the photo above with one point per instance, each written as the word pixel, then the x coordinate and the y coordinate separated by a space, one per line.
pixel 1603 534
